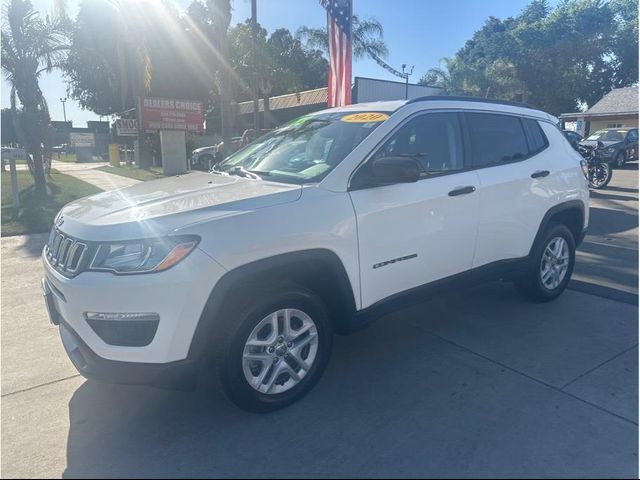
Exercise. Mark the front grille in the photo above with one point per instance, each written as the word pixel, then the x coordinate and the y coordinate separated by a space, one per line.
pixel 64 253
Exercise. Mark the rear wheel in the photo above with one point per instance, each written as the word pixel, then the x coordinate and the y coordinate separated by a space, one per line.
pixel 550 266
pixel 278 351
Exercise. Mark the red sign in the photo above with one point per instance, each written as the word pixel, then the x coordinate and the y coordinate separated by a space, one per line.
pixel 172 114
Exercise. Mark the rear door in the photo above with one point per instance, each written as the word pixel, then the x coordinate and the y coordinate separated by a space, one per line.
pixel 514 166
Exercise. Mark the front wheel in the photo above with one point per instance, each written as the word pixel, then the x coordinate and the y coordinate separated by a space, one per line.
pixel 278 352
pixel 600 175
pixel 620 160
pixel 550 265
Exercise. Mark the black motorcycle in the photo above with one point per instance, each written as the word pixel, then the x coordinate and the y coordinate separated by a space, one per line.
pixel 597 170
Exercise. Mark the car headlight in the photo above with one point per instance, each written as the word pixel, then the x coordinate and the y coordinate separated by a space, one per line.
pixel 610 150
pixel 143 256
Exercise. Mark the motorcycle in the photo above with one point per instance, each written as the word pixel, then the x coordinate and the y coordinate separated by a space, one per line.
pixel 597 171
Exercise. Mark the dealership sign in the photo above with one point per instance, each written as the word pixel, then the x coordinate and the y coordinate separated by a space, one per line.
pixel 80 140
pixel 172 114
pixel 127 127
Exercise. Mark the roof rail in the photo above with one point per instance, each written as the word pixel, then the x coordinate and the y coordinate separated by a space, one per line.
pixel 469 99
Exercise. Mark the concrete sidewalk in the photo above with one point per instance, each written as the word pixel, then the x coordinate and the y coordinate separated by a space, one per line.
pixel 88 173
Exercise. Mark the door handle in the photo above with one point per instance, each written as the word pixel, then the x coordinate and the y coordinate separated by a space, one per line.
pixel 462 191
pixel 540 174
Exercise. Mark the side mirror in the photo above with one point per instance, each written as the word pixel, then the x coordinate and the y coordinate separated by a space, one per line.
pixel 391 170
pixel 600 144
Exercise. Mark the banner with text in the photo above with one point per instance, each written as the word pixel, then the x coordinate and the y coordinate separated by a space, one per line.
pixel 127 127
pixel 172 114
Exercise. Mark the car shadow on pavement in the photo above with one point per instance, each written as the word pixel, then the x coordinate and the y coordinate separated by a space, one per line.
pixel 397 400
pixel 607 221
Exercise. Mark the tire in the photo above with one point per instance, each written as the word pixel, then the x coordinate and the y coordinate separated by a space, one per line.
pixel 277 390
pixel 601 181
pixel 532 284
pixel 620 160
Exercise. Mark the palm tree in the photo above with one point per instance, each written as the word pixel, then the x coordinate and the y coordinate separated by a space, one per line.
pixel 30 46
pixel 441 76
pixel 367 38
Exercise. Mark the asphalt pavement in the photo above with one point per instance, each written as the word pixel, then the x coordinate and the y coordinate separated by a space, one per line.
pixel 474 384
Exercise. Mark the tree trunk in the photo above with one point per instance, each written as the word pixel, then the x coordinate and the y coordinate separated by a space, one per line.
pixel 267 111
pixel 221 12
pixel 33 128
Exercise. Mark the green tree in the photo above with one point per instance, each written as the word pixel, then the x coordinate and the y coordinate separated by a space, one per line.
pixel 123 50
pixel 368 38
pixel 283 65
pixel 31 45
pixel 9 135
pixel 554 58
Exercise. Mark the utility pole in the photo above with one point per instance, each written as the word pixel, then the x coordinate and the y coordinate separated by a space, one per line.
pixel 64 110
pixel 406 76
pixel 254 58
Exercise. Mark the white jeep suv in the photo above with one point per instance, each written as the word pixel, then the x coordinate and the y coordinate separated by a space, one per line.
pixel 314 229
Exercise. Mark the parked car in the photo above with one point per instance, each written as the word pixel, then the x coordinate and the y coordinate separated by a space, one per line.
pixel 620 145
pixel 574 137
pixel 62 148
pixel 316 228
pixel 206 158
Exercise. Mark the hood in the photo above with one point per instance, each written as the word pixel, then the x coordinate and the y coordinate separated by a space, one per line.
pixel 161 206
pixel 594 143
pixel 204 149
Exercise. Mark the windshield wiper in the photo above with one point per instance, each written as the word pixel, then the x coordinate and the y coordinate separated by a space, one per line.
pixel 242 172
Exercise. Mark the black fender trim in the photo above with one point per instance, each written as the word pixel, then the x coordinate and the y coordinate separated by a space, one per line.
pixel 320 269
pixel 555 210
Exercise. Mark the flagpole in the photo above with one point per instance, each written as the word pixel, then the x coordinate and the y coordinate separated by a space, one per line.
pixel 350 49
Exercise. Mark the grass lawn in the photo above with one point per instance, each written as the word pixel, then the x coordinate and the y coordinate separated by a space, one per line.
pixel 134 172
pixel 37 216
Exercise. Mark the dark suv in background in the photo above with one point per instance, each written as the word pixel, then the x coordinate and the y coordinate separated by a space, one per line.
pixel 620 144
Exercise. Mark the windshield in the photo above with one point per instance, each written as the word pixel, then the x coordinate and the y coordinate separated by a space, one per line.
pixel 306 149
pixel 608 135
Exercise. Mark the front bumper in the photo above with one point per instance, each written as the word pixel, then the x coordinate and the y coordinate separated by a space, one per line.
pixel 177 295
pixel 181 375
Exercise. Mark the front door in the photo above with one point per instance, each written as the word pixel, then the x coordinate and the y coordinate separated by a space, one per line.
pixel 415 233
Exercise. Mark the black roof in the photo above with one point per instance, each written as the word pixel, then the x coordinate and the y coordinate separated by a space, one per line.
pixel 469 99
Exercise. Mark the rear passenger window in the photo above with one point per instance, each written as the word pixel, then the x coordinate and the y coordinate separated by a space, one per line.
pixel 535 135
pixel 496 139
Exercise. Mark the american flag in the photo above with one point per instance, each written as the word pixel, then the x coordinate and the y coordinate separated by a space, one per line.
pixel 339 30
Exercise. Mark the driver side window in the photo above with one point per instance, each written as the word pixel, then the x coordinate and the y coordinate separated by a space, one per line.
pixel 433 139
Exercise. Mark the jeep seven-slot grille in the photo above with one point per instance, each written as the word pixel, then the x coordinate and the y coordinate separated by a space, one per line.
pixel 64 253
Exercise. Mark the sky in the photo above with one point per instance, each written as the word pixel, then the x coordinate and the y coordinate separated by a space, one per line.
pixel 417 32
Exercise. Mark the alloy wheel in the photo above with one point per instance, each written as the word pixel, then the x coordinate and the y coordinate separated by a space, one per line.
pixel 554 263
pixel 280 351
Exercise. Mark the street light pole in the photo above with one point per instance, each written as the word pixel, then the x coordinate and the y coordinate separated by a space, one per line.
pixel 406 78
pixel 64 110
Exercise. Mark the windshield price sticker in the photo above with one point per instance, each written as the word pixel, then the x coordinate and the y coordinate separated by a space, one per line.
pixel 365 117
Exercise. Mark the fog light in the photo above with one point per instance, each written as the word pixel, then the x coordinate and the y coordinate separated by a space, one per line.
pixel 140 317
pixel 124 329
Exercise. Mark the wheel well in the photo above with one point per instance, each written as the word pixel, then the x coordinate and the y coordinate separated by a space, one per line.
pixel 320 271
pixel 572 218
